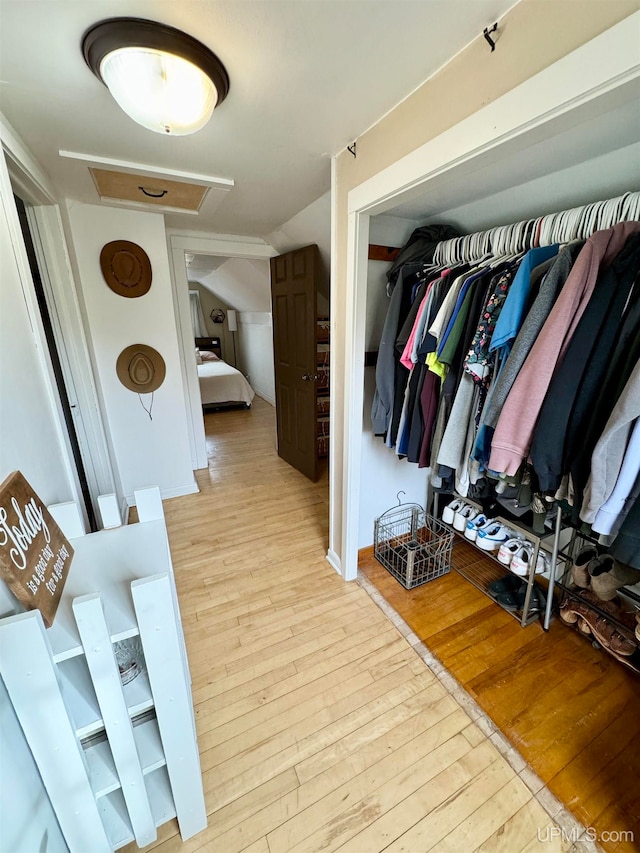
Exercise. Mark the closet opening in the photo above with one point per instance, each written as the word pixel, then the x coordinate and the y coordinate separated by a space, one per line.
pixel 558 141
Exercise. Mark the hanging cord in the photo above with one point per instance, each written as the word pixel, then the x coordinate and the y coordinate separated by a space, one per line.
pixel 148 411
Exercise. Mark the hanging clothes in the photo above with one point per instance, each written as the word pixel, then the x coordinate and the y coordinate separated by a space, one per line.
pixel 382 407
pixel 514 430
pixel 611 449
pixel 531 326
pixel 581 371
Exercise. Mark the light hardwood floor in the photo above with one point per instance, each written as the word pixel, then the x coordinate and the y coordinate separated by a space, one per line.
pixel 319 726
pixel 571 710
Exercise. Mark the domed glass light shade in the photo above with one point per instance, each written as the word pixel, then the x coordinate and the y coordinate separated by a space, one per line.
pixel 162 78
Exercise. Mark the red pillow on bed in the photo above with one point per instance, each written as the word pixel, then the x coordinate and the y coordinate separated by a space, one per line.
pixel 208 356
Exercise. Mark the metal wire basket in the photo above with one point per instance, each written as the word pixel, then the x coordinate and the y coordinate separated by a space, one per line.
pixel 413 546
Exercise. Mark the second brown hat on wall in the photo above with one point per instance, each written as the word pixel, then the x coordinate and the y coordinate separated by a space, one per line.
pixel 141 368
pixel 126 268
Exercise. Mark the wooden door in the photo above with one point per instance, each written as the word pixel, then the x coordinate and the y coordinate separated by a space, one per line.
pixel 293 298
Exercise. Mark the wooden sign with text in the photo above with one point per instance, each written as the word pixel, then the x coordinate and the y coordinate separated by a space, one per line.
pixel 34 554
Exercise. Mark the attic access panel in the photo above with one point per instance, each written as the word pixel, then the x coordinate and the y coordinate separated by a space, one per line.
pixel 141 189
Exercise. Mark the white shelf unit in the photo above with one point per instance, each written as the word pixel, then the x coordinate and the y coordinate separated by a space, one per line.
pixel 117 760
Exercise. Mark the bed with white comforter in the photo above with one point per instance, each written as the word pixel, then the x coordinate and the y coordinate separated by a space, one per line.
pixel 222 383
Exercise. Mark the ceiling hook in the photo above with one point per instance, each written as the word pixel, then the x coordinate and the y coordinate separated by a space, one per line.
pixel 352 149
pixel 487 34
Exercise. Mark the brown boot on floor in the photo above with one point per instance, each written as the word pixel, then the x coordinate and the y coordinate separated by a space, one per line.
pixel 580 568
pixel 607 577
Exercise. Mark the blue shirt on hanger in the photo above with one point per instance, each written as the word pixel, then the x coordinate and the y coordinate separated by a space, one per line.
pixel 512 314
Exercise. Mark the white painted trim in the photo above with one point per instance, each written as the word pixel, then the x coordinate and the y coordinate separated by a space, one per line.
pixel 176 492
pixel 334 504
pixel 188 367
pixel 147 207
pixel 179 244
pixel 25 172
pixel 149 170
pixel 600 72
pixel 334 561
pixel 227 246
pixel 355 320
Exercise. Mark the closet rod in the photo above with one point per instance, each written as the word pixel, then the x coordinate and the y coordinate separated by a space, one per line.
pixel 578 223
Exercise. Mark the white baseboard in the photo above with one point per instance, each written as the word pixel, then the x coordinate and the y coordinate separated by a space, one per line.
pixel 334 561
pixel 264 397
pixel 176 492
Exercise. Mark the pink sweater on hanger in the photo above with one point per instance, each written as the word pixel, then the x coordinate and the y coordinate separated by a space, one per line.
pixel 514 430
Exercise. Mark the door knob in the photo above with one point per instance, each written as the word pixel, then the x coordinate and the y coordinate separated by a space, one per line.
pixel 309 377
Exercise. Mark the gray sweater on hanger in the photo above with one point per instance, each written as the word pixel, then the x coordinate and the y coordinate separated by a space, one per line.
pixel 534 321
pixel 611 448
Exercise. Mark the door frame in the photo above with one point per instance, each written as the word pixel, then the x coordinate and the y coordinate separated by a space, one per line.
pixel 557 98
pixel 179 243
pixel 22 174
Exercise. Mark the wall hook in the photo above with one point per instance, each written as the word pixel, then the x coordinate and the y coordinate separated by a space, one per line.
pixel 352 149
pixel 487 34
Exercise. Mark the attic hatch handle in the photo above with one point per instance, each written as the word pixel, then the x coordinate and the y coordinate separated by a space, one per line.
pixel 153 194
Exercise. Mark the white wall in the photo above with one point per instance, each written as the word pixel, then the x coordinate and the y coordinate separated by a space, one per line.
pixel 27 818
pixel 311 225
pixel 147 451
pixel 383 474
pixel 380 465
pixel 254 342
pixel 243 283
pixel 209 301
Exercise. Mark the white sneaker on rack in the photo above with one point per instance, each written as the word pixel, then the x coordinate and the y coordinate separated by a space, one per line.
pixel 491 537
pixel 521 561
pixel 471 530
pixel 509 549
pixel 450 510
pixel 463 516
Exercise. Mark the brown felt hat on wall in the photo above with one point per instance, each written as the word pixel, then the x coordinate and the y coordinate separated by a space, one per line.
pixel 141 368
pixel 126 268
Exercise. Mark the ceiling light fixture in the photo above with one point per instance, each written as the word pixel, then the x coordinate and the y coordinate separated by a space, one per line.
pixel 162 78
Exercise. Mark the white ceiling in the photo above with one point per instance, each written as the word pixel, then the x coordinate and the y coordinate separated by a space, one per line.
pixel 307 78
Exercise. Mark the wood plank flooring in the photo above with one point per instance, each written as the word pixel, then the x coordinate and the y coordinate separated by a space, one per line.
pixel 319 726
pixel 570 710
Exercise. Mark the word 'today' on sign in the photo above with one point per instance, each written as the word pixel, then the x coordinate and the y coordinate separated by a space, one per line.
pixel 34 554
